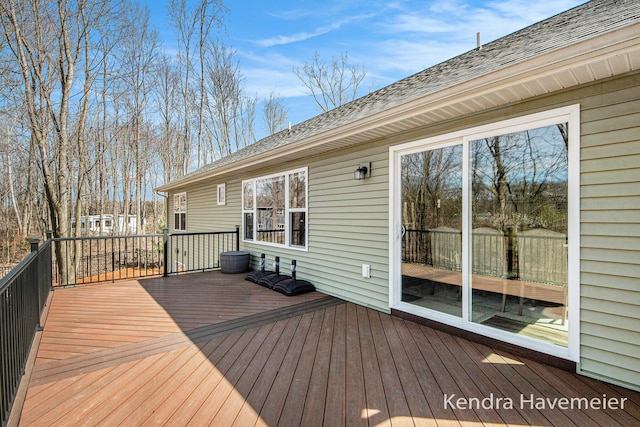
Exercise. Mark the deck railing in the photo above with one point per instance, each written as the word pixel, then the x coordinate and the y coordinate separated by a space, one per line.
pixel 297 236
pixel 84 260
pixel 187 252
pixel 23 293
pixel 5 269
pixel 536 255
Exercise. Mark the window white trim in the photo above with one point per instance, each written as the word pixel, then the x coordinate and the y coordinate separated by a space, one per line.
pixel 571 115
pixel 180 211
pixel 221 194
pixel 249 208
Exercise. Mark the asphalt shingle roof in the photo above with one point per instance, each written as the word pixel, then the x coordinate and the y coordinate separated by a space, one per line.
pixel 575 25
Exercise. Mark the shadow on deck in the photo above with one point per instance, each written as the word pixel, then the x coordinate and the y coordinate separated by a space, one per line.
pixel 209 348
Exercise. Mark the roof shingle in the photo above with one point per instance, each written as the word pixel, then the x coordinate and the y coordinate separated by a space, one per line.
pixel 573 26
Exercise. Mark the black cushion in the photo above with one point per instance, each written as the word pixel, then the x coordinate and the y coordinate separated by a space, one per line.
pixel 291 287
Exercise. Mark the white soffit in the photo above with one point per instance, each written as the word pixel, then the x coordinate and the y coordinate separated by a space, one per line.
pixel 565 72
pixel 600 58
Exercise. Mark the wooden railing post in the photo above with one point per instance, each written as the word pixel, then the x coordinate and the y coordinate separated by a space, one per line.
pixel 237 237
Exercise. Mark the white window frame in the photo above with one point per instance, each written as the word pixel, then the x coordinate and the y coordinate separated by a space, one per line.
pixel 570 115
pixel 221 194
pixel 287 212
pixel 177 210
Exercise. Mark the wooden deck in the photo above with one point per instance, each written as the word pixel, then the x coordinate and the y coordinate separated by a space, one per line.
pixel 213 349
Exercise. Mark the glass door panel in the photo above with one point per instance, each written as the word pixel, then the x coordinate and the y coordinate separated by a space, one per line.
pixel 432 229
pixel 518 232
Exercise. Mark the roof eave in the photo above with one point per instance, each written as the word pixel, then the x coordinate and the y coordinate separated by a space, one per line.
pixel 606 55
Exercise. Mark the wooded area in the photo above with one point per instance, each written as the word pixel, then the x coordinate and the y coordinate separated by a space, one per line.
pixel 96 113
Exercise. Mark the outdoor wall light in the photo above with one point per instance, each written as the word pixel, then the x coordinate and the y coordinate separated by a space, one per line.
pixel 363 171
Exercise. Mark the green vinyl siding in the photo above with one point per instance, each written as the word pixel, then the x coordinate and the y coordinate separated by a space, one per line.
pixel 347 223
pixel 204 215
pixel 610 232
pixel 346 227
pixel 349 227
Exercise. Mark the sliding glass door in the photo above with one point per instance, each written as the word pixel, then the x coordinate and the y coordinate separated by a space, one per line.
pixel 432 220
pixel 518 232
pixel 484 230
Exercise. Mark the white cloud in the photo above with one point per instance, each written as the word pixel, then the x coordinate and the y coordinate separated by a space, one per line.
pixel 408 57
pixel 395 41
pixel 272 72
pixel 294 14
pixel 419 24
pixel 262 81
pixel 280 40
pixel 305 35
pixel 421 38
pixel 531 11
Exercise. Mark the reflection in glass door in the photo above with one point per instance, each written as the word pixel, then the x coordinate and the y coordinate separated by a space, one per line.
pixel 432 229
pixel 484 230
pixel 518 240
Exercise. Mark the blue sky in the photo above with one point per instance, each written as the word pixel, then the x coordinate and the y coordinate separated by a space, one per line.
pixel 391 39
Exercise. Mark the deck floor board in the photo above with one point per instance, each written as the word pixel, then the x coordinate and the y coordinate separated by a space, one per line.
pixel 212 349
pixel 316 394
pixel 291 414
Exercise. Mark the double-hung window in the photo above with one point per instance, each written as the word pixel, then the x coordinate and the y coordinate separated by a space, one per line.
pixel 180 212
pixel 274 209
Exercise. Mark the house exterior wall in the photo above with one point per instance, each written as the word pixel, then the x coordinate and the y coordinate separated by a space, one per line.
pixel 358 229
pixel 610 232
pixel 348 220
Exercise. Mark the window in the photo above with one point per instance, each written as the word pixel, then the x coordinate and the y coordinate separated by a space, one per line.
pixel 274 209
pixel 180 211
pixel 221 194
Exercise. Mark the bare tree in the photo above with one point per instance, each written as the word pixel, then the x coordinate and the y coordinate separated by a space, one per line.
pixel 429 187
pixel 331 84
pixel 245 124
pixel 18 184
pixel 513 175
pixel 230 113
pixel 138 60
pixel 208 13
pixel 60 54
pixel 106 133
pixel 274 113
pixel 48 45
pixel 184 20
pixel 88 100
pixel 166 100
pixel 193 25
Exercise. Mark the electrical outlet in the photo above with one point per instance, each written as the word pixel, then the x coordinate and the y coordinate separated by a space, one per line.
pixel 366 271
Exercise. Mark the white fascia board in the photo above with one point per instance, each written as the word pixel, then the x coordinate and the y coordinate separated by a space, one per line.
pixel 624 41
